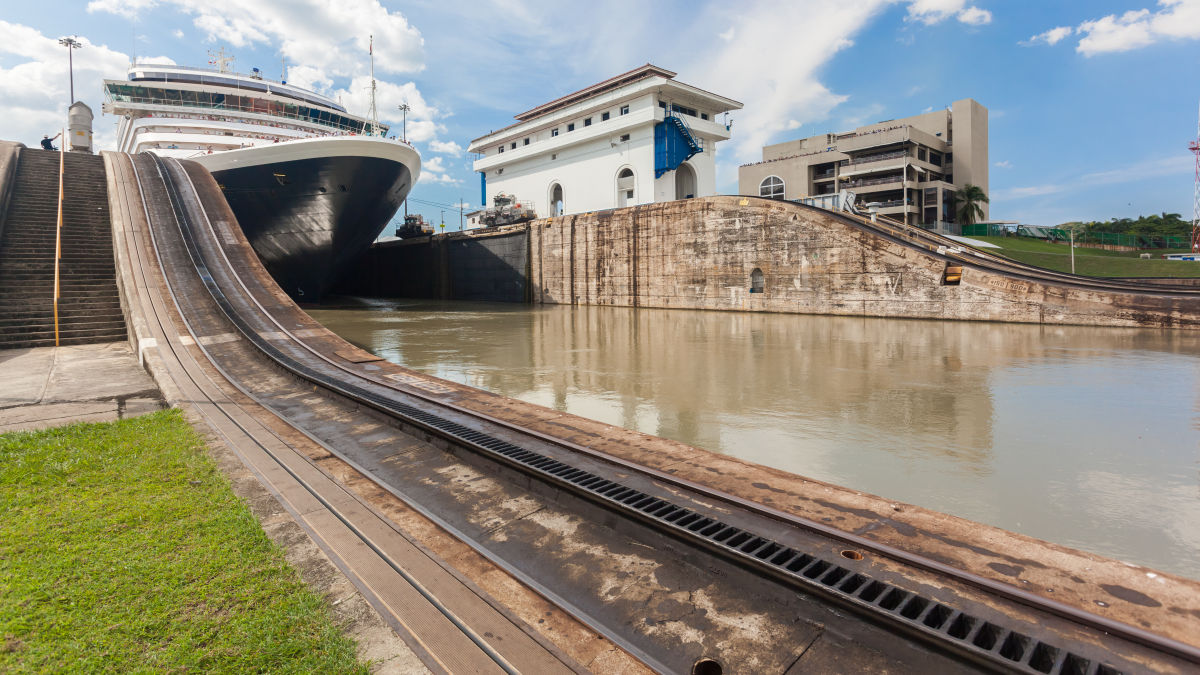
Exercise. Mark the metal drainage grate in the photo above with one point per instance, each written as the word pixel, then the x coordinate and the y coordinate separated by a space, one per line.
pixel 971 635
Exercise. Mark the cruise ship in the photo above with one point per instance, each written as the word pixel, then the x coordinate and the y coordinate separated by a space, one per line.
pixel 311 185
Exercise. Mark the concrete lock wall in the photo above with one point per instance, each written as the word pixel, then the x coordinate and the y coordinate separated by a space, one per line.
pixel 483 265
pixel 703 254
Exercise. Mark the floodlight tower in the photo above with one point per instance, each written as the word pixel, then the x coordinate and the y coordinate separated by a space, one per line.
pixel 1194 146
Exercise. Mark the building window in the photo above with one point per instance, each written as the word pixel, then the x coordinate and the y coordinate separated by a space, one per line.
pixel 703 116
pixel 771 187
pixel 556 199
pixel 625 187
pixel 571 126
pixel 624 110
pixel 757 282
pixel 554 156
pixel 553 132
pixel 675 107
pixel 624 138
pixel 526 142
pixel 604 117
pixel 502 149
pixel 514 145
pixel 587 122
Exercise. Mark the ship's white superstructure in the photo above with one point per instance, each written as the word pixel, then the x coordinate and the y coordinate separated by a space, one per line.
pixel 185 112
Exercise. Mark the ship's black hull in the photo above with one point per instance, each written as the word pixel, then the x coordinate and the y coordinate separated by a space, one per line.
pixel 307 219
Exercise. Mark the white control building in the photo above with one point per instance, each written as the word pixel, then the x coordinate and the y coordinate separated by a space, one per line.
pixel 638 138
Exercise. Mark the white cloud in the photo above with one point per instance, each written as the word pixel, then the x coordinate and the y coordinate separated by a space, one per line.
pixel 973 16
pixel 126 8
pixel 449 148
pixel 930 12
pixel 1050 37
pixel 1004 164
pixel 35 88
pixel 433 170
pixel 802 38
pixel 329 36
pixel 1175 20
pixel 177 33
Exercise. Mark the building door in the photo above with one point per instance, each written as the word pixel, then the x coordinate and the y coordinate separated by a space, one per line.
pixel 556 200
pixel 685 181
pixel 626 188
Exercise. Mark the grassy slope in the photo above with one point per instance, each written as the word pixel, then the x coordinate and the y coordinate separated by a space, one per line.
pixel 123 548
pixel 1090 261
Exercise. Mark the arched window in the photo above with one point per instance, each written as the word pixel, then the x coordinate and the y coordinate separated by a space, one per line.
pixel 556 200
pixel 771 187
pixel 757 283
pixel 625 187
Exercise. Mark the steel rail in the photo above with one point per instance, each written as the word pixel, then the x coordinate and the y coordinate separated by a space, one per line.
pixel 469 632
pixel 1007 591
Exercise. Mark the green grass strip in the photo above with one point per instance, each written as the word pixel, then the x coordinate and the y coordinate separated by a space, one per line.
pixel 123 549
pixel 1092 262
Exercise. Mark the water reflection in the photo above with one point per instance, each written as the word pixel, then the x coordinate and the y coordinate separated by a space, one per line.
pixel 1082 436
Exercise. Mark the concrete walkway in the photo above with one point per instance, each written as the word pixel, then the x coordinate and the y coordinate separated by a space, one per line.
pixel 52 386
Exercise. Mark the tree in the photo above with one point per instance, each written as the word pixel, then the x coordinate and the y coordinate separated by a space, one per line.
pixel 969 200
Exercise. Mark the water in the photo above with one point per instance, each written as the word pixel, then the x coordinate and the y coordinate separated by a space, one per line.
pixel 1083 436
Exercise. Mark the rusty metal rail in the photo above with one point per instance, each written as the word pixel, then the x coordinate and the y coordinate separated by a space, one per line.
pixel 989 643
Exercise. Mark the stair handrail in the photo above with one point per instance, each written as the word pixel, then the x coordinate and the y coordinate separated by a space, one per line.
pixel 62 158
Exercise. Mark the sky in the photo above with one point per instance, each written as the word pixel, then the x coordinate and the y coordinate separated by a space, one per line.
pixel 1092 103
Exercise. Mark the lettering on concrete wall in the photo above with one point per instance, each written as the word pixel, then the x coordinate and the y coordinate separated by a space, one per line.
pixel 1009 285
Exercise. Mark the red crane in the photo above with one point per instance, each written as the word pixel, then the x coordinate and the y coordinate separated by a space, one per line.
pixel 1194 146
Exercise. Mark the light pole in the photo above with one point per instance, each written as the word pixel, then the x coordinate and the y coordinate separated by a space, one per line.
pixel 71 44
pixel 404 108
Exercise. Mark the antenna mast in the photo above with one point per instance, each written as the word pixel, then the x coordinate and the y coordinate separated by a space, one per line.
pixel 1194 146
pixel 374 112
pixel 220 60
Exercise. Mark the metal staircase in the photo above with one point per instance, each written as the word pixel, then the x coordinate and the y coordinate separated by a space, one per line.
pixel 674 144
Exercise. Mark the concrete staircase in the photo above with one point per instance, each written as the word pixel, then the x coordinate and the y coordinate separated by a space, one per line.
pixel 89 307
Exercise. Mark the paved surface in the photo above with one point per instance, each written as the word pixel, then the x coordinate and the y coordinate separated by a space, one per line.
pixel 51 386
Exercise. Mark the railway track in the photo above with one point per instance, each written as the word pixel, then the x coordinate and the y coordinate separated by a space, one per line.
pixel 827 594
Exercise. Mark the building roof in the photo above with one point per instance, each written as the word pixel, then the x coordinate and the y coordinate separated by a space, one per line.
pixel 637 74
pixel 634 75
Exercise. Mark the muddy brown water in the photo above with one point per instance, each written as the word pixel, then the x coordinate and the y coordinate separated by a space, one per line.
pixel 1088 437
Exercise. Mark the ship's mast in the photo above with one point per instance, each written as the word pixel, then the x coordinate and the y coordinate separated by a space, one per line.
pixel 374 111
pixel 220 60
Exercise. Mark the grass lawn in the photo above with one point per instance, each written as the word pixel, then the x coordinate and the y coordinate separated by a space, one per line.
pixel 1092 262
pixel 123 548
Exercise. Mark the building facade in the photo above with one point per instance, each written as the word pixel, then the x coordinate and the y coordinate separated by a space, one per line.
pixel 910 167
pixel 638 138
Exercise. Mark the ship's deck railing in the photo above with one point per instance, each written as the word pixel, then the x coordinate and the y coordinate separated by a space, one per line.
pixel 322 119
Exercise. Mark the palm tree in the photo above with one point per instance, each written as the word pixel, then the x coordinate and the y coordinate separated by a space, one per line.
pixel 968 200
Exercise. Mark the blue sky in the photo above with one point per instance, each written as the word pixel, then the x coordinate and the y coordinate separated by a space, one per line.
pixel 1092 103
